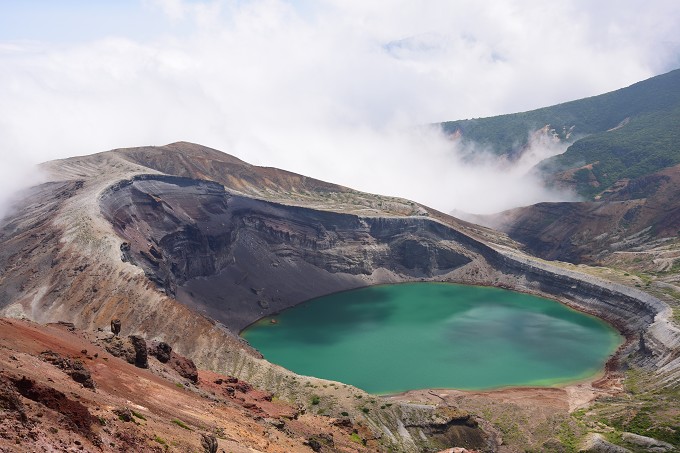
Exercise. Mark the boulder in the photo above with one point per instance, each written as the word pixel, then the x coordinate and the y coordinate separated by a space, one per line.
pixel 115 326
pixel 161 350
pixel 318 441
pixel 124 414
pixel 80 374
pixel 185 367
pixel 648 443
pixel 74 368
pixel 209 443
pixel 122 348
pixel 596 443
pixel 141 352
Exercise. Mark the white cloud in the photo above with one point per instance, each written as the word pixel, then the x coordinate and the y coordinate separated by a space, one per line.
pixel 16 175
pixel 331 89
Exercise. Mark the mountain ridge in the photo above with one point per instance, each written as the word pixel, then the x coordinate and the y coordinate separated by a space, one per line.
pixel 109 237
pixel 626 133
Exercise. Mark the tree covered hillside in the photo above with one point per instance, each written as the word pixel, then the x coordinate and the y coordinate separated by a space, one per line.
pixel 627 133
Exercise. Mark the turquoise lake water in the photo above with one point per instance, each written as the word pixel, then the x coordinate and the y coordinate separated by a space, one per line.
pixel 393 338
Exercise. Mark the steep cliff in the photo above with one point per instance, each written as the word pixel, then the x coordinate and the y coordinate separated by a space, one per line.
pixel 239 258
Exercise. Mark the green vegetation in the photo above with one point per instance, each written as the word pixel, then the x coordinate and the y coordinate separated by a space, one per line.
pixel 675 267
pixel 645 424
pixel 354 437
pixel 628 133
pixel 647 144
pixel 181 424
pixel 316 399
pixel 568 436
pixel 160 440
pixel 646 409
pixel 138 415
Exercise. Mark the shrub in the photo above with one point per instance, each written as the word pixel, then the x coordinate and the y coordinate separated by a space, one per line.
pixel 181 424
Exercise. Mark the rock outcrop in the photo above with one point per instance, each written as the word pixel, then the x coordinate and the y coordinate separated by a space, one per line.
pixel 209 443
pixel 239 258
pixel 161 350
pixel 141 359
pixel 185 367
pixel 115 326
pixel 74 368
pixel 596 443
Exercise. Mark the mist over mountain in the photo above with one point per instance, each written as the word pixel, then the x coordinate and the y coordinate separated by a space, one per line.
pixel 330 89
pixel 624 134
pixel 621 155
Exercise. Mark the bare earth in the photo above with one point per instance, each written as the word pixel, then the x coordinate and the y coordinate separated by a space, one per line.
pixel 170 414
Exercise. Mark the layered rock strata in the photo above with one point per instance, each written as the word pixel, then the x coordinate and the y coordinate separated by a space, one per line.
pixel 237 258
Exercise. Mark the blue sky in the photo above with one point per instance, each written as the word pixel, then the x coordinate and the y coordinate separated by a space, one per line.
pixel 69 21
pixel 334 89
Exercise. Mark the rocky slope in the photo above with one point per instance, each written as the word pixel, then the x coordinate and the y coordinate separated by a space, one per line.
pixel 141 407
pixel 187 245
pixel 635 215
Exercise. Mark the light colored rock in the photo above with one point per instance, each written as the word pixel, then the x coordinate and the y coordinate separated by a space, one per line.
pixel 649 443
pixel 596 443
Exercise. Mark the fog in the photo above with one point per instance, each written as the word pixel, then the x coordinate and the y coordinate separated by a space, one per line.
pixel 16 175
pixel 338 90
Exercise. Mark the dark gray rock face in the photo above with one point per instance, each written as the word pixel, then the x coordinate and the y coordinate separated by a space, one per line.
pixel 115 326
pixel 209 443
pixel 141 353
pixel 211 249
pixel 161 350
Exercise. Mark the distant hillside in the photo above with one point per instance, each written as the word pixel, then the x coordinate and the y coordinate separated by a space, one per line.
pixel 624 134
pixel 622 231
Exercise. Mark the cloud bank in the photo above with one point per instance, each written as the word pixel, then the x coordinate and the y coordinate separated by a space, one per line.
pixel 337 90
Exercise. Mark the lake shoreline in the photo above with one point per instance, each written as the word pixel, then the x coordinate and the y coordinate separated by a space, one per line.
pixel 495 325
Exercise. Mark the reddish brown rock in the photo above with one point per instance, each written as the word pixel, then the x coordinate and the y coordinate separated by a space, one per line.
pixel 184 366
pixel 76 416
